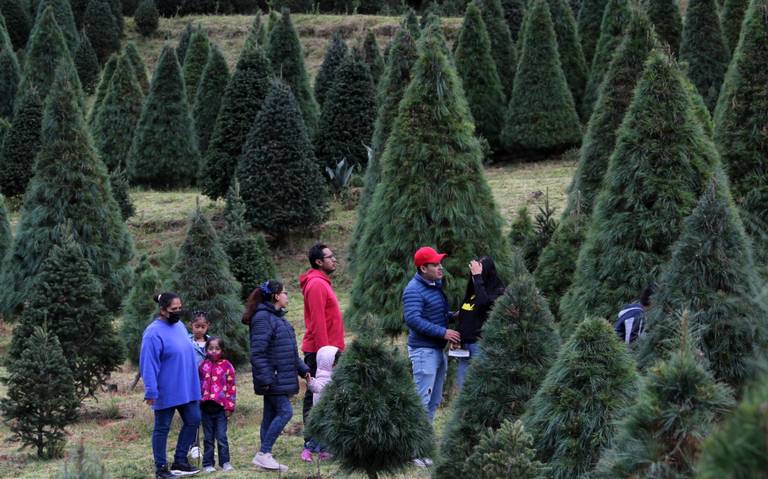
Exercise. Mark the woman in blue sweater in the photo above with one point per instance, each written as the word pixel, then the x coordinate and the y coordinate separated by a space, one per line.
pixel 275 362
pixel 168 365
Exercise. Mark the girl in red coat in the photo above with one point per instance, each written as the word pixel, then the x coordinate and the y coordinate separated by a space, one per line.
pixel 217 378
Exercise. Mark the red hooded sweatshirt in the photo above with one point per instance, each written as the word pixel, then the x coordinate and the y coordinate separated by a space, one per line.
pixel 322 317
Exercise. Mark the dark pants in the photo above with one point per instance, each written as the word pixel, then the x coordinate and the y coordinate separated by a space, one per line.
pixel 277 413
pixel 310 359
pixel 215 430
pixel 190 417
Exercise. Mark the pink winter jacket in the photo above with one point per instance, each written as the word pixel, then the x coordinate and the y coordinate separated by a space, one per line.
pixel 326 356
pixel 218 383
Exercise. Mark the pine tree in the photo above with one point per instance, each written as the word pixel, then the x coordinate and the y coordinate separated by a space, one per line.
pixel 370 417
pixel 100 25
pixel 9 82
pixel 505 452
pixel 70 184
pixel 164 152
pixel 17 22
pixel 138 66
pixel 102 88
pixel 194 63
pixel 285 53
pixel 41 400
pixel 738 448
pixel 514 11
pixel 557 261
pixel 87 64
pixel 256 34
pixel 542 114
pixel 202 277
pixel 518 347
pixel 712 273
pixel 617 16
pixel 22 142
pixel 209 95
pixel 653 182
pixel 242 101
pixel 249 256
pixel 118 179
pixel 731 19
pixel 520 229
pixel 83 464
pixel 334 55
pixel 571 416
pixel 703 46
pixel 411 23
pixel 572 57
pixel 346 123
pixel 665 16
pixel 661 434
pixel 502 46
pixel 432 141
pixel 590 18
pixel 477 70
pixel 62 11
pixel 372 56
pixel 139 308
pixel 278 142
pixel 147 17
pixel 184 39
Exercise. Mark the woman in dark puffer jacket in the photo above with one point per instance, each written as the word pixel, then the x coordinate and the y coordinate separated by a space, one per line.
pixel 275 362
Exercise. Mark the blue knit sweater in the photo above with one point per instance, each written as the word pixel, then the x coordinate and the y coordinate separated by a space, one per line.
pixel 425 309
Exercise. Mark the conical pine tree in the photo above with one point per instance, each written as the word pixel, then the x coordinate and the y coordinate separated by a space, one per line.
pixel 287 58
pixel 541 114
pixel 731 18
pixel 62 11
pixel 194 63
pixel 101 89
pixel 164 152
pixel 571 416
pixel 118 179
pixel 334 55
pixel 17 22
pixel 118 116
pixel 256 34
pixel 87 64
pixel 589 20
pixel 502 45
pixel 514 12
pixel 101 28
pixel 9 82
pixel 348 114
pixel 138 66
pixel 652 183
pixel 572 58
pixel 370 417
pixel 711 273
pixel 21 145
pixel 372 56
pixel 615 20
pixel 478 74
pixel 704 48
pixel 202 277
pixel 665 16
pixel 557 262
pixel 71 185
pixel 210 91
pixel 139 308
pixel 518 347
pixel 431 141
pixel 278 142
pixel 147 17
pixel 506 452
pixel 242 101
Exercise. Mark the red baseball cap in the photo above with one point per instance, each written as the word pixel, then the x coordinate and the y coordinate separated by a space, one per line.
pixel 427 255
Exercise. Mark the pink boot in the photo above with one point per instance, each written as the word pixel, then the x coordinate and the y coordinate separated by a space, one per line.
pixel 306 455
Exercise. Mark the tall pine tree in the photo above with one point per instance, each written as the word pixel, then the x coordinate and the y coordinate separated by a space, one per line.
pixel 21 144
pixel 138 66
pixel 572 58
pixel 372 56
pixel 194 63
pixel 208 97
pixel 665 16
pixel 590 18
pixel 9 81
pixel 502 45
pixel 334 55
pixel 514 12
pixel 731 18
pixel 100 25
pixel 101 89
pixel 87 64
pixel 62 11
pixel 139 308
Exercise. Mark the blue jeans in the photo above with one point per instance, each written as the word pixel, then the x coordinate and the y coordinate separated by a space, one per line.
pixel 215 430
pixel 190 417
pixel 429 369
pixel 277 413
pixel 461 372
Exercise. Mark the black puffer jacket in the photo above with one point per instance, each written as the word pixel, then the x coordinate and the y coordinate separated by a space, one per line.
pixel 274 356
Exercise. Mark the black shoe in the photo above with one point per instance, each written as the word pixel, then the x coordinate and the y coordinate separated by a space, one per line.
pixel 185 469
pixel 163 473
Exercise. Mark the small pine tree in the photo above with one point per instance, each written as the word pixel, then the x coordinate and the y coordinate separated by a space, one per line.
pixel 9 82
pixel 731 18
pixel 87 64
pixel 616 18
pixel 703 46
pixel 667 22
pixel 521 229
pixel 278 141
pixel 164 152
pixel 101 90
pixel 543 228
pixel 118 116
pixel 139 308
pixel 118 179
pixel 334 55
pixel 518 347
pixel 41 399
pixel 83 465
pixel 138 66
pixel 372 56
pixel 65 19
pixel 502 45
pixel 477 70
pixel 505 452
pixel 514 12
pixel 17 22
pixel 285 53
pixel 348 115
pixel 147 18
pixel 590 18
pixel 194 63
pixel 613 265
pixel 202 277
pixel 542 114
pixel 100 25
pixel 242 101
pixel 370 417
pixel 22 142
pixel 209 95
pixel 572 59
pixel 571 416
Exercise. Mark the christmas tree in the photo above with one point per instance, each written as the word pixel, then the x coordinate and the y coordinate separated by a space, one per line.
pixel 147 17
pixel 9 81
pixel 118 179
pixel 21 144
pixel 194 63
pixel 514 12
pixel 665 16
pixel 334 55
pixel 505 452
pixel 210 91
pixel 371 56
pixel 502 46
pixel 101 89
pixel 590 18
pixel 17 22
pixel 139 309
pixel 101 28
pixel 571 416
pixel 87 64
pixel 138 66
pixel 62 12
pixel 731 18
pixel 164 152
pixel 572 59
pixel 184 39
pixel 257 34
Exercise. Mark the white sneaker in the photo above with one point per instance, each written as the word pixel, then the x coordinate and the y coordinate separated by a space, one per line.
pixel 209 469
pixel 227 467
pixel 265 460
pixel 422 462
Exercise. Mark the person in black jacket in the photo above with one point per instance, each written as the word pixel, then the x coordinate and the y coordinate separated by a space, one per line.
pixel 275 363
pixel 483 288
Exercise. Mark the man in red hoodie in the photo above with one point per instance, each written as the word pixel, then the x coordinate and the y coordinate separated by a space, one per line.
pixel 322 317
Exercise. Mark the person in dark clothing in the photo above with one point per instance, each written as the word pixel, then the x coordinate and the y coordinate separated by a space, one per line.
pixel 630 323
pixel 275 363
pixel 483 288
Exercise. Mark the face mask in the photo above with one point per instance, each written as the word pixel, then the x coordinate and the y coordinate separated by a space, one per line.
pixel 174 317
pixel 214 356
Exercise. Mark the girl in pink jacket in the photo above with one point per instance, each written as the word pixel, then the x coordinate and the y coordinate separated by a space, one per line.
pixel 219 392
